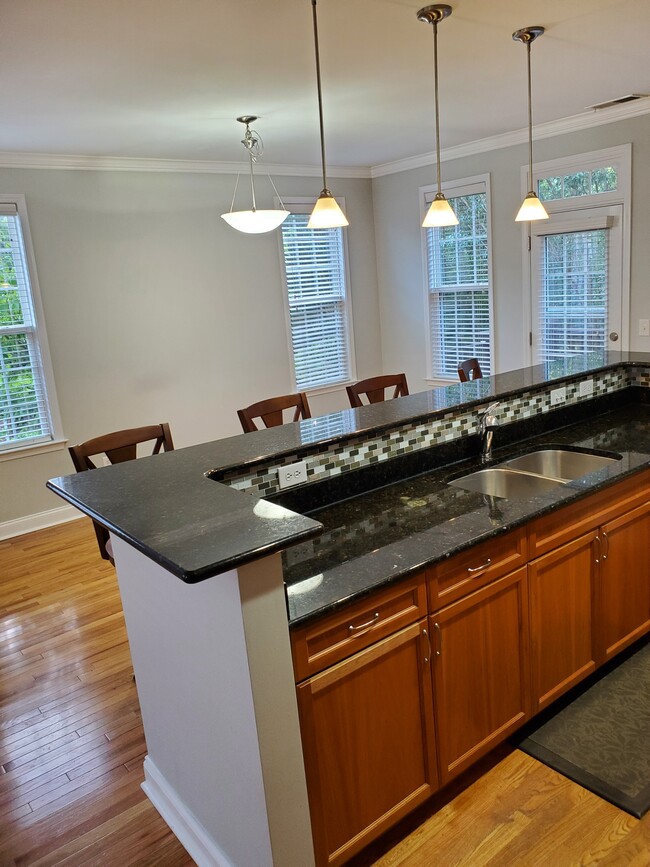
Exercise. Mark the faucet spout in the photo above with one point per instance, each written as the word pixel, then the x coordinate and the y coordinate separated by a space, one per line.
pixel 486 424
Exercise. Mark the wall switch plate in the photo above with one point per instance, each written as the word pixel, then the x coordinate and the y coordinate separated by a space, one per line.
pixel 644 327
pixel 586 388
pixel 292 474
pixel 558 395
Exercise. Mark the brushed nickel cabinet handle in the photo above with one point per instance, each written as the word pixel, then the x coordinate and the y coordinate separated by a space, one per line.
pixel 599 548
pixel 428 653
pixel 606 541
pixel 373 622
pixel 472 569
pixel 436 626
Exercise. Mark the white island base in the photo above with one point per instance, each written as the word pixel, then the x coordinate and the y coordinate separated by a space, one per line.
pixel 213 670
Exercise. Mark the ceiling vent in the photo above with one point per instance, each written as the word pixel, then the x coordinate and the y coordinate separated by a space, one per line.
pixel 618 101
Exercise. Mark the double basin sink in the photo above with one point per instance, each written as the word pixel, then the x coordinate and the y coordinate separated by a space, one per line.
pixel 534 473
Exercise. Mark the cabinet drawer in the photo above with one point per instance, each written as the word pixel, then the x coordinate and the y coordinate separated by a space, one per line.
pixel 476 567
pixel 574 520
pixel 332 638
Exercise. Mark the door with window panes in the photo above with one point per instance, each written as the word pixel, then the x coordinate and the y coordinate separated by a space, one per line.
pixel 576 283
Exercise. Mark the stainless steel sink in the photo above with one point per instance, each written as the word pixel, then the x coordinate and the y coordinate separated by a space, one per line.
pixel 506 483
pixel 560 463
pixel 534 473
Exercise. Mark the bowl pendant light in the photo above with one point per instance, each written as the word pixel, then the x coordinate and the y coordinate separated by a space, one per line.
pixel 531 208
pixel 440 213
pixel 254 221
pixel 326 213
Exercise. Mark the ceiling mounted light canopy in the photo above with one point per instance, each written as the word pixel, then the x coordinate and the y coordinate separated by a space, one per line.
pixel 326 213
pixel 254 221
pixel 440 213
pixel 531 208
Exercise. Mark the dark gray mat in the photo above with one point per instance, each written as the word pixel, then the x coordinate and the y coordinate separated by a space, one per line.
pixel 601 738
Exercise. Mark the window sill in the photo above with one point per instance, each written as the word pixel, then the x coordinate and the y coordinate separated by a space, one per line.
pixel 31 451
pixel 328 389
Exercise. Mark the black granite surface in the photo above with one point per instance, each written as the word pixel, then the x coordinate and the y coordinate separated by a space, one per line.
pixel 379 536
pixel 195 527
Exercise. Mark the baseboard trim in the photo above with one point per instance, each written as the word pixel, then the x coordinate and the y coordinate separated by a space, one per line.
pixel 38 521
pixel 190 833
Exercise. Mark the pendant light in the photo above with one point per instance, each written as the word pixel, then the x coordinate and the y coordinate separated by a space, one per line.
pixel 440 213
pixel 326 213
pixel 531 208
pixel 255 221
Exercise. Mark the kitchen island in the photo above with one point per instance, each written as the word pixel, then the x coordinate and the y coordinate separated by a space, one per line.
pixel 212 651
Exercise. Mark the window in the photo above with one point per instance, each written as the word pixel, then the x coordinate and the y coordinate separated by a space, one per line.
pixel 459 293
pixel 28 414
pixel 580 256
pixel 317 302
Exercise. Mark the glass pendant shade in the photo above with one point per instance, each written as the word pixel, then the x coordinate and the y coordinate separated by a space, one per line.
pixel 326 213
pixel 531 209
pixel 255 222
pixel 440 214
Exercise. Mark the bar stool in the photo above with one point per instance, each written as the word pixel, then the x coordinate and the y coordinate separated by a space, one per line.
pixel 271 409
pixel 374 388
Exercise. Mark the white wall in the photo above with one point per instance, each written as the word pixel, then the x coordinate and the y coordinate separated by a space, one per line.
pixel 156 310
pixel 399 251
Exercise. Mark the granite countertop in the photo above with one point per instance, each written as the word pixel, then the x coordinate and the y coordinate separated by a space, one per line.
pixel 372 539
pixel 196 527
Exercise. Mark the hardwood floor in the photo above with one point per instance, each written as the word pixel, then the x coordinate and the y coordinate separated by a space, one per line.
pixel 72 746
pixel 71 739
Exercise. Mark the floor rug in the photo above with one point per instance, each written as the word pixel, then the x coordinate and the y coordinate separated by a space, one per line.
pixel 601 737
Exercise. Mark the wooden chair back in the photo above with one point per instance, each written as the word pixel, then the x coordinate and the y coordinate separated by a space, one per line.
pixel 375 387
pixel 271 411
pixel 118 446
pixel 469 369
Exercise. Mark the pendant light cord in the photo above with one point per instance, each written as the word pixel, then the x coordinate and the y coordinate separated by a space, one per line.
pixel 436 101
pixel 530 120
pixel 320 95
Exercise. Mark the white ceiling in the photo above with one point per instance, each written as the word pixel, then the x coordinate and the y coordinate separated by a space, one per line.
pixel 165 79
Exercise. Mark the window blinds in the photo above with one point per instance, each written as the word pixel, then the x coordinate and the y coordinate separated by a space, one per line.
pixel 24 414
pixel 459 291
pixel 315 275
pixel 573 298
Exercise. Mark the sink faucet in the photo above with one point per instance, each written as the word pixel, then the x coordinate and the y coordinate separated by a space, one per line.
pixel 486 424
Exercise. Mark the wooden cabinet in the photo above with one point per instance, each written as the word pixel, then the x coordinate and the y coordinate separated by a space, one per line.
pixel 562 587
pixel 480 671
pixel 624 581
pixel 366 721
pixel 368 742
pixel 393 704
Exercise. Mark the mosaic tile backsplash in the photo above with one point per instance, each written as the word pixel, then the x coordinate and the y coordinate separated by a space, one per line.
pixel 360 452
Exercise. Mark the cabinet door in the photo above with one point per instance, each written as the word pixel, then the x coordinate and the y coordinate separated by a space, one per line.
pixel 624 580
pixel 480 671
pixel 368 742
pixel 562 588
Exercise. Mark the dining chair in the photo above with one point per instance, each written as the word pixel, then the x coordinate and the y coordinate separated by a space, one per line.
pixel 469 369
pixel 375 387
pixel 271 411
pixel 118 446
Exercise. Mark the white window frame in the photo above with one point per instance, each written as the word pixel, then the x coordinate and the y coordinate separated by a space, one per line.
pixel 56 439
pixel 453 189
pixel 621 158
pixel 304 205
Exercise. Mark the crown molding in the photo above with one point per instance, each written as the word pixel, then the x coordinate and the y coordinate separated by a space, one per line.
pixel 543 130
pixel 75 162
pixel 72 162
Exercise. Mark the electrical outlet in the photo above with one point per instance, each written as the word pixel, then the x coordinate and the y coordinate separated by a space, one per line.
pixel 292 474
pixel 586 388
pixel 558 395
pixel 644 327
